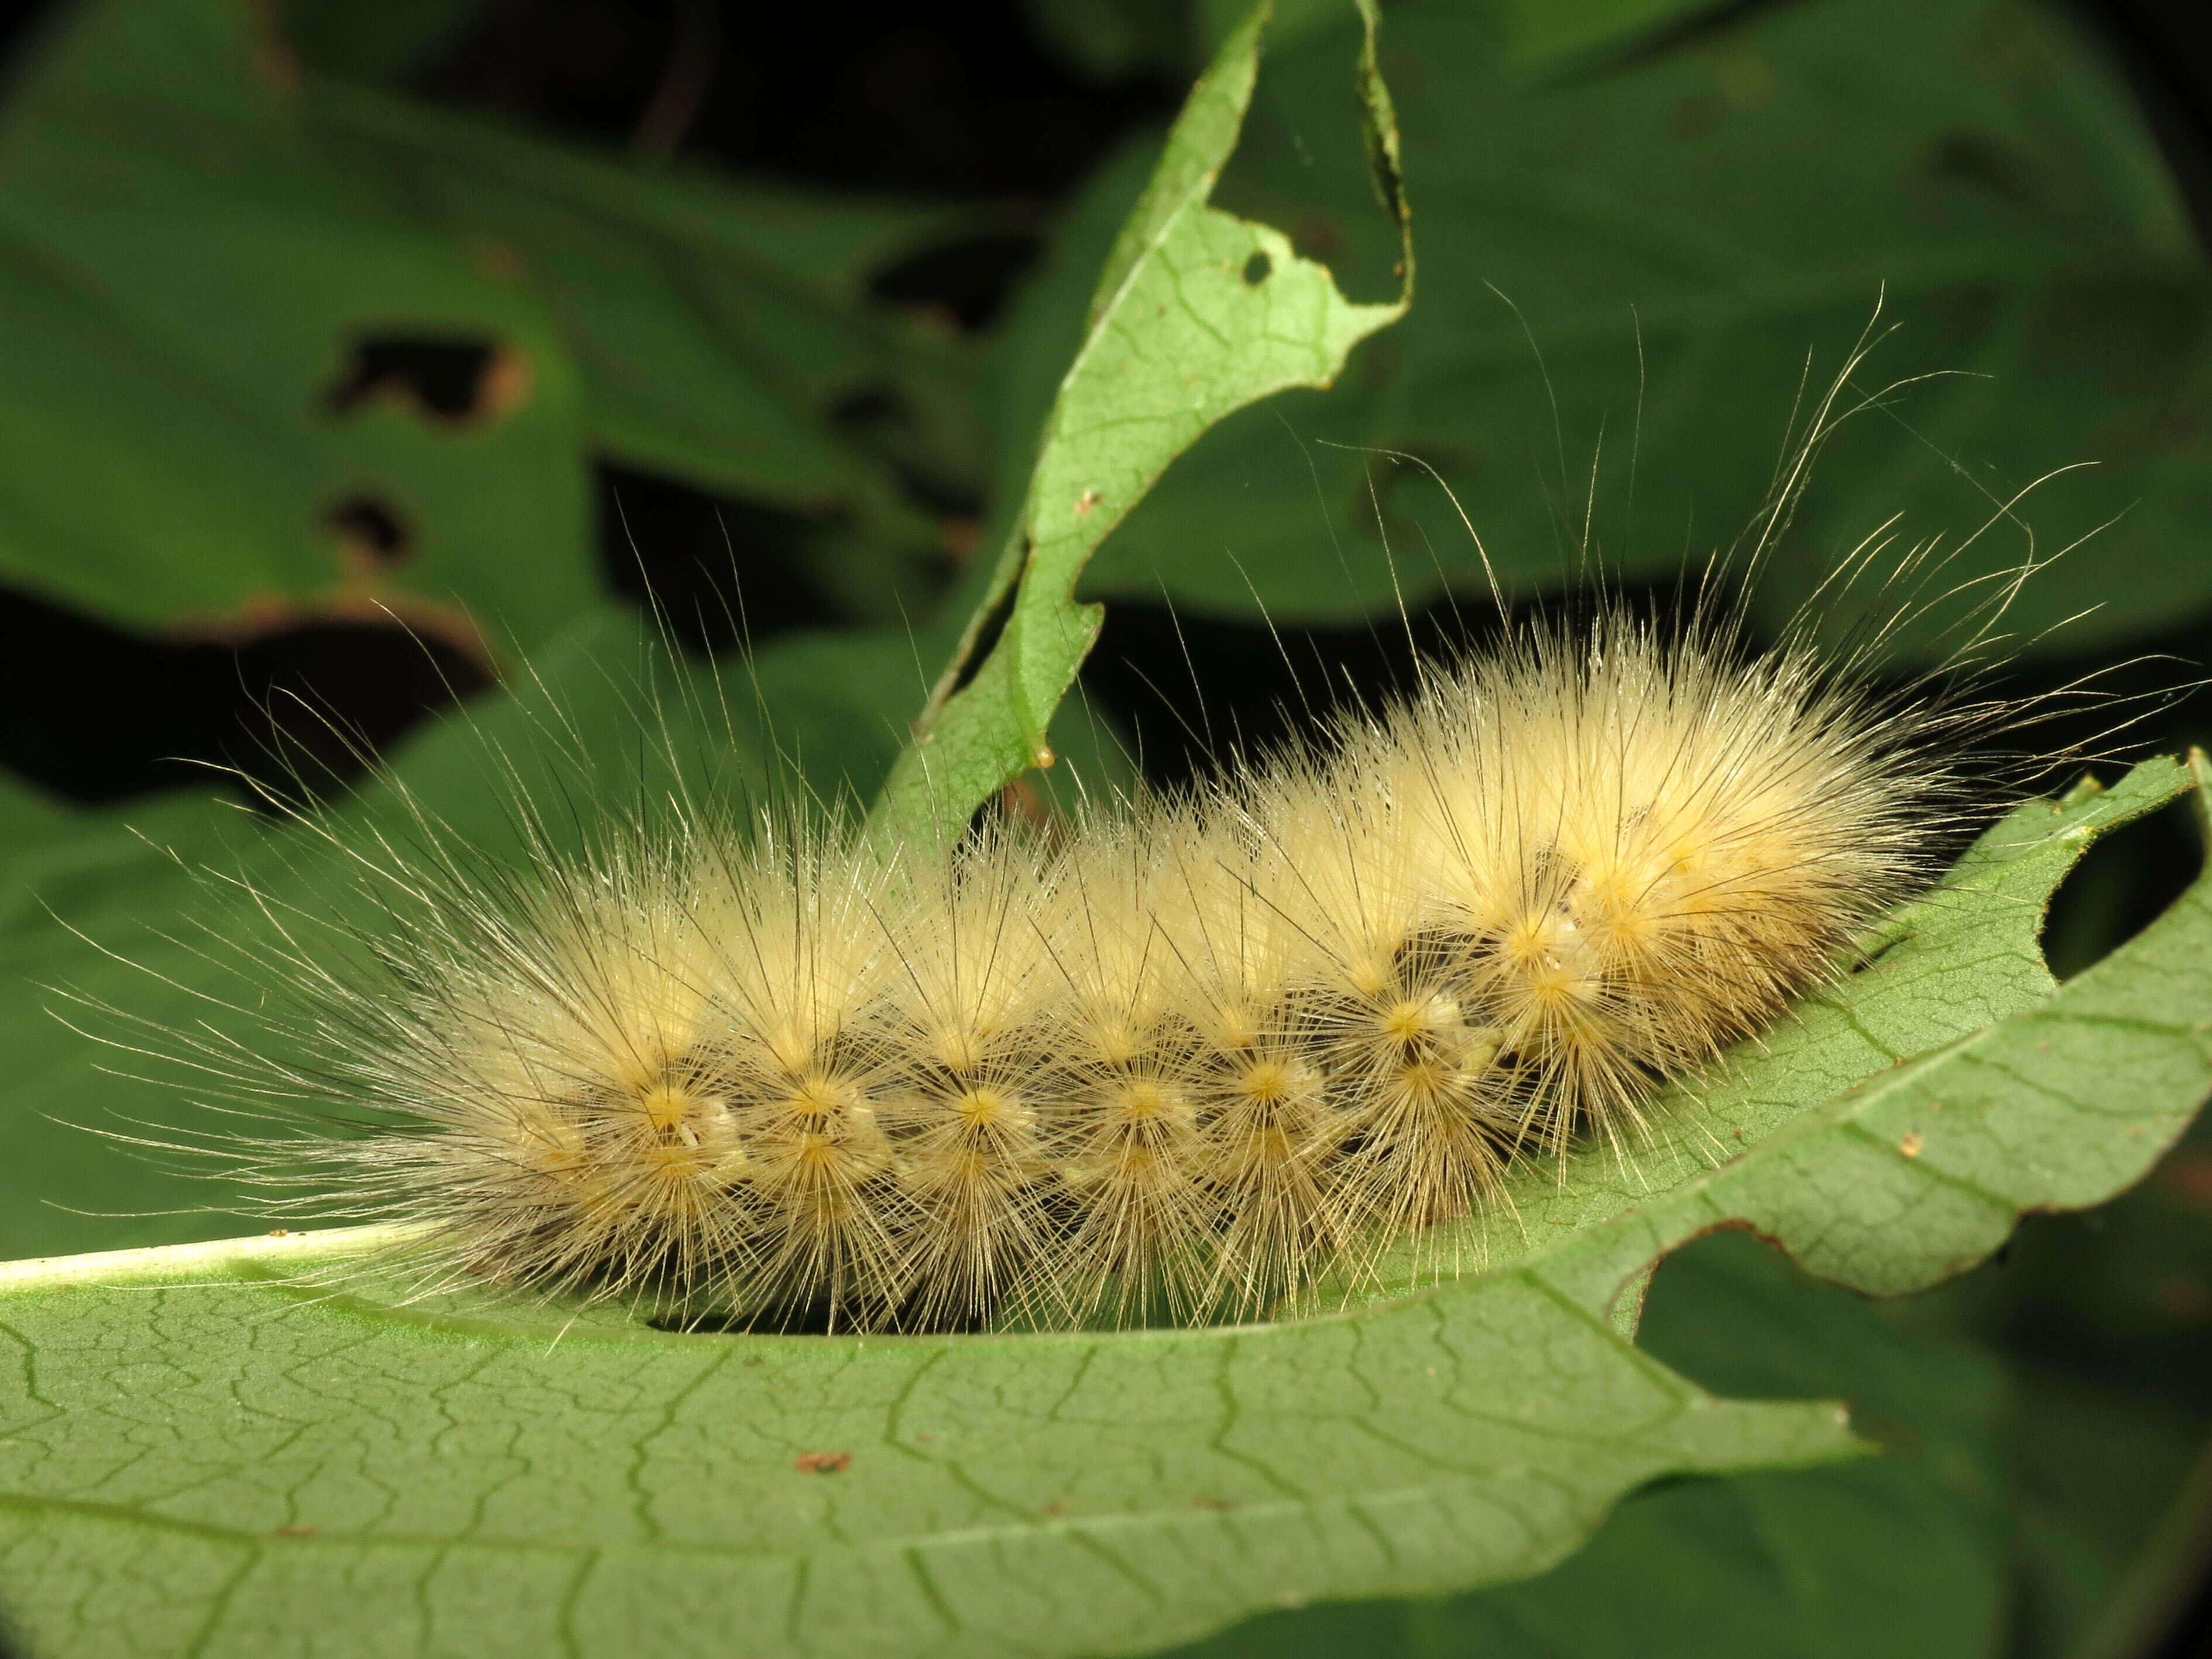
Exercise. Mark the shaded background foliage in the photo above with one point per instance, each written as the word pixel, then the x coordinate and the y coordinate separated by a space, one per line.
pixel 362 358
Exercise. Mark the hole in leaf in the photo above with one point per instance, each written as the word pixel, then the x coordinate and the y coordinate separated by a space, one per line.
pixel 99 713
pixel 2123 885
pixel 780 1319
pixel 450 380
pixel 987 637
pixel 375 536
pixel 1258 269
pixel 1733 1313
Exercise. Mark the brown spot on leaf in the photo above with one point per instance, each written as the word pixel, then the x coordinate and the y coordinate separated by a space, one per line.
pixel 1911 1144
pixel 506 383
pixel 354 602
pixel 823 1463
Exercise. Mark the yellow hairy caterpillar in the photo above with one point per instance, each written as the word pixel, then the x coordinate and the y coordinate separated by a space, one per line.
pixel 1180 1061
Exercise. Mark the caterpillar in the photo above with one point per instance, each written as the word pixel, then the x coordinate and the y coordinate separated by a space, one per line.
pixel 1185 1059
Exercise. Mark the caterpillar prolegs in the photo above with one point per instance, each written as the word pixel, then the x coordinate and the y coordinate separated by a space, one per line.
pixel 1181 1061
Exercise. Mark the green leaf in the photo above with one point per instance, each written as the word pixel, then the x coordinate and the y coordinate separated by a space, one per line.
pixel 184 280
pixel 1072 1494
pixel 1195 313
pixel 1906 1556
pixel 2036 1418
pixel 195 1443
pixel 1639 272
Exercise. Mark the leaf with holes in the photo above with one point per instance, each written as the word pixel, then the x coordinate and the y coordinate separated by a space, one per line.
pixel 243 387
pixel 720 326
pixel 1196 313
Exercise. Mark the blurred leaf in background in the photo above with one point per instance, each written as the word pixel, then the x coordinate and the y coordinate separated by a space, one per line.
pixel 1637 270
pixel 170 229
